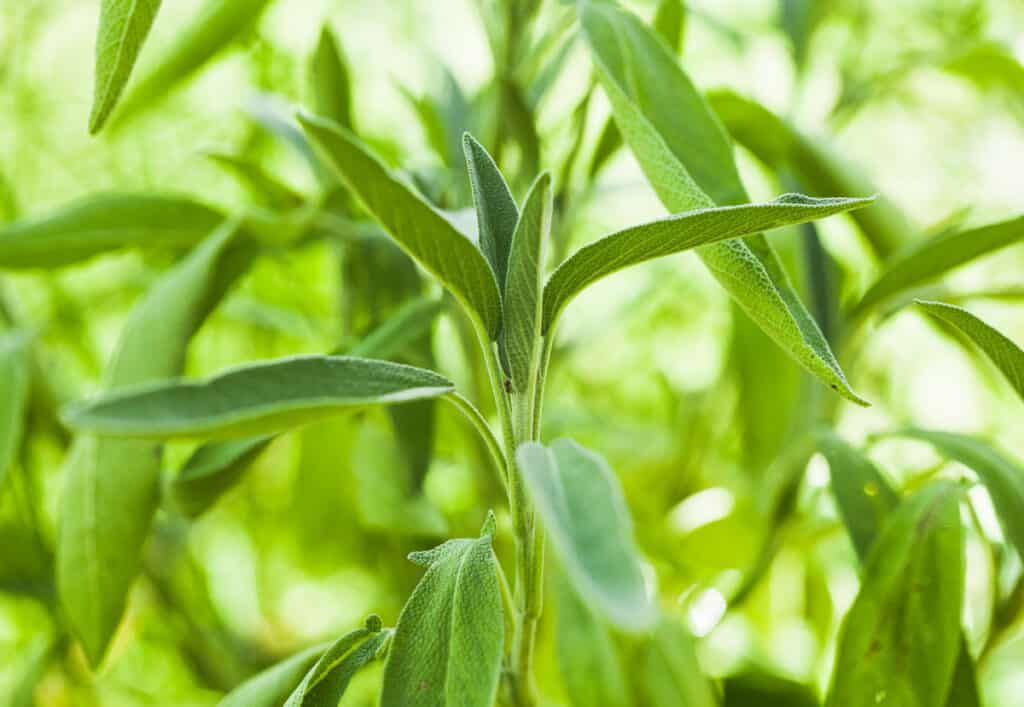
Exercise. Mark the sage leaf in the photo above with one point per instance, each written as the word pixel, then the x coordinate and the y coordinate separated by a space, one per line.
pixel 211 470
pixel 759 689
pixel 691 229
pixel 422 232
pixel 497 214
pixel 326 682
pixel 583 510
pixel 257 399
pixel 104 223
pixel 265 188
pixel 899 642
pixel 1002 477
pixel 15 377
pixel 447 646
pixel 1004 353
pixel 521 332
pixel 124 25
pixel 669 22
pixel 410 322
pixel 330 81
pixel 272 687
pixel 686 156
pixel 111 487
pixel 669 671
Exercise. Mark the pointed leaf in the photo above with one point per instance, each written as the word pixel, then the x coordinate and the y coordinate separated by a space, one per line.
pixel 583 510
pixel 673 234
pixel 124 25
pixel 264 187
pixel 1004 353
pixel 899 642
pixel 103 223
pixel 111 487
pixel 211 470
pixel 416 226
pixel 14 392
pixel 326 682
pixel 447 648
pixel 409 323
pixel 330 81
pixel 687 158
pixel 271 687
pixel 496 210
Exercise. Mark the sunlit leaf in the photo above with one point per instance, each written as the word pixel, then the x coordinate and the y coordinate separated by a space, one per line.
pixel 14 392
pixel 326 682
pixel 272 687
pixel 266 188
pixel 669 673
pixel 330 81
pixel 211 470
pixel 496 210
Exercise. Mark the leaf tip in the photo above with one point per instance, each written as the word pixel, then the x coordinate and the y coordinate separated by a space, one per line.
pixel 490 526
pixel 373 623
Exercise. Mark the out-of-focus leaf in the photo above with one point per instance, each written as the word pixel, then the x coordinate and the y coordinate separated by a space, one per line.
pixel 326 682
pixel 218 24
pixel 687 157
pixel 262 185
pixel 417 227
pixel 691 229
pixel 669 673
pixel 989 65
pixel 260 398
pixel 104 223
pixel 211 470
pixel 330 81
pixel 764 690
pixel 583 510
pixel 448 644
pixel 496 210
pixel 670 22
pixel 409 323
pixel 14 393
pixel 927 260
pixel 799 19
pixel 521 332
pixel 124 25
pixel 111 486
pixel 273 686
pixel 899 642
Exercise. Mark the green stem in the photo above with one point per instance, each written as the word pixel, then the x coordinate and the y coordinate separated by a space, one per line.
pixel 484 430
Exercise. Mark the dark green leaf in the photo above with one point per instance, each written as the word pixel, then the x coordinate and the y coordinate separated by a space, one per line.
pixel 211 470
pixel 330 81
pixel 764 690
pixel 325 684
pixel 496 210
pixel 14 392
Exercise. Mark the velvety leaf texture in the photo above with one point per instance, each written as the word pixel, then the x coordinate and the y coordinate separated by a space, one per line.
pixel 111 486
pixel 686 155
pixel 497 213
pixel 1004 353
pixel 14 391
pixel 447 647
pixel 256 399
pixel 326 682
pixel 421 231
pixel 124 25
pixel 677 233
pixel 582 508
pixel 900 640
pixel 211 470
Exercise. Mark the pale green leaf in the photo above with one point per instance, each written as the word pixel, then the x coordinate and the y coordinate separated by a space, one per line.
pixel 584 512
pixel 673 234
pixel 669 673
pixel 900 640
pixel 14 392
pixel 211 470
pixel 256 399
pixel 330 81
pixel 272 687
pixel 104 223
pixel 1003 352
pixel 111 487
pixel 326 682
pixel 263 186
pixel 124 25
pixel 496 209
pixel 447 647
pixel 416 226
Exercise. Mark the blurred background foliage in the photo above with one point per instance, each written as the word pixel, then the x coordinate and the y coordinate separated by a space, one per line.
pixel 702 417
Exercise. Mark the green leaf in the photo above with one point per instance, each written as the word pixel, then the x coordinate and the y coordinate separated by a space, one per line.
pixel 406 326
pixel 1004 353
pixel 264 187
pixel 584 512
pixel 14 392
pixel 416 226
pixel 864 496
pixel 497 214
pixel 765 690
pixel 929 259
pixel 1002 477
pixel 261 398
pixel 899 642
pixel 215 26
pixel 111 487
pixel 687 157
pixel 104 223
pixel 670 22
pixel 124 25
pixel 272 687
pixel 447 647
pixel 521 332
pixel 326 682
pixel 211 470
pixel 330 81
pixel 691 229
pixel 669 673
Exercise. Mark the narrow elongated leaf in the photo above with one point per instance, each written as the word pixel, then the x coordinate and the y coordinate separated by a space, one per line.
pixel 448 643
pixel 669 671
pixel 330 81
pixel 907 613
pixel 496 209
pixel 272 687
pixel 687 158
pixel 256 399
pixel 211 470
pixel 584 512
pixel 408 324
pixel 326 682
pixel 111 487
pixel 680 232
pixel 1003 352
pixel 522 327
pixel 417 227
pixel 218 24
pixel 14 391
pixel 670 23
pixel 124 25
pixel 104 223
pixel 264 187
